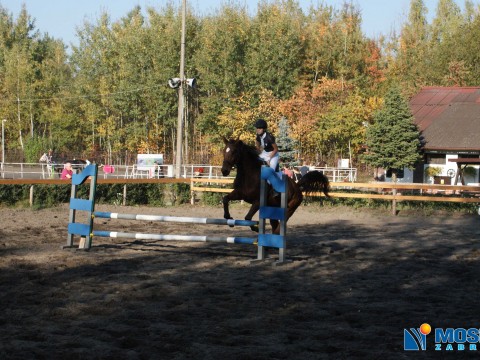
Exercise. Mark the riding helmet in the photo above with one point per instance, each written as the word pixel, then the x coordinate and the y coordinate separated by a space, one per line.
pixel 260 124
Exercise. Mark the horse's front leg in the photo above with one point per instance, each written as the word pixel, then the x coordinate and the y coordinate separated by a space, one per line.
pixel 253 209
pixel 234 195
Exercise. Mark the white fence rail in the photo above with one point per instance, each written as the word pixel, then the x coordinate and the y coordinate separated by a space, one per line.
pixel 53 171
pixel 338 174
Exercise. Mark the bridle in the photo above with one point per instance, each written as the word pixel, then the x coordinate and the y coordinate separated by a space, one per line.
pixel 232 159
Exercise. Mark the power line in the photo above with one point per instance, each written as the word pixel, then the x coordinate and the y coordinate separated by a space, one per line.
pixel 81 96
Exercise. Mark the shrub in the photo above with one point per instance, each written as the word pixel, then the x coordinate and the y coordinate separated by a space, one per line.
pixel 470 171
pixel 211 198
pixel 432 171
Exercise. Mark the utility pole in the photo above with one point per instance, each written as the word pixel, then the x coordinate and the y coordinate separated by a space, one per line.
pixel 3 141
pixel 178 160
pixel 3 147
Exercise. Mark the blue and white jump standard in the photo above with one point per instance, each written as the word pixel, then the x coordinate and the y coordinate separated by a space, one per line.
pixel 277 213
pixel 86 231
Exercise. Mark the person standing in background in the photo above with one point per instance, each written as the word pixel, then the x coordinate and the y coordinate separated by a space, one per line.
pixel 67 172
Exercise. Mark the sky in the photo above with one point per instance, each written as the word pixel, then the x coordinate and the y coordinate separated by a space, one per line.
pixel 60 18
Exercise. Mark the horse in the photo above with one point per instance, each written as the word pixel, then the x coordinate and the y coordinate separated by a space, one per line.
pixel 246 185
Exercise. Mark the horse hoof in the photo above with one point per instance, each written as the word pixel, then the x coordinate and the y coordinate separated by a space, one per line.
pixel 229 218
pixel 254 228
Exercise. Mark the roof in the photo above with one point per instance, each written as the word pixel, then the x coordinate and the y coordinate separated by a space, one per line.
pixel 448 117
pixel 462 161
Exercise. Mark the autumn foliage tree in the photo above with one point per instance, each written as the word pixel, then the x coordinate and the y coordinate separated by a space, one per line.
pixel 314 67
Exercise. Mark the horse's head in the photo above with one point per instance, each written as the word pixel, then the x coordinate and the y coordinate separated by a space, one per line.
pixel 231 155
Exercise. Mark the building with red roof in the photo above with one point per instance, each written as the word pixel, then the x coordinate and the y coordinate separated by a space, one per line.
pixel 449 120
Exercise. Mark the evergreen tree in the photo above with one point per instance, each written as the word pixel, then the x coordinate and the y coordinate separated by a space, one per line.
pixel 393 139
pixel 286 145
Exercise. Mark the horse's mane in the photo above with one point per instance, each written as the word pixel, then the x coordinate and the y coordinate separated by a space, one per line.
pixel 251 152
pixel 248 164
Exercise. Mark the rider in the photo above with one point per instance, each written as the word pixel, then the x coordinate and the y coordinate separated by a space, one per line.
pixel 266 145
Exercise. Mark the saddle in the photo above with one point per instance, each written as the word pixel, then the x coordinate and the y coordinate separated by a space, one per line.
pixel 277 168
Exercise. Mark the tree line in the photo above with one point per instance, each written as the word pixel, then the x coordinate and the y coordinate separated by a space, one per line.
pixel 314 69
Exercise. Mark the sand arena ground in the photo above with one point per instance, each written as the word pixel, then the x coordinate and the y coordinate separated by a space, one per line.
pixel 357 279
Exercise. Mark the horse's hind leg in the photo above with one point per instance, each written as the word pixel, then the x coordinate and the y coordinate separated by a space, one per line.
pixel 292 206
pixel 275 226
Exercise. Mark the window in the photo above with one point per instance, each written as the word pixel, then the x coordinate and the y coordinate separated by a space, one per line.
pixel 400 173
pixel 438 159
pixel 467 156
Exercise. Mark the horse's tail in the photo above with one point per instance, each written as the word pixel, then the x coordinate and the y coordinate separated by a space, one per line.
pixel 314 181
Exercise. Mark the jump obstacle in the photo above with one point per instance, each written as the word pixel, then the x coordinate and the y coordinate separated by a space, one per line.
pixel 87 232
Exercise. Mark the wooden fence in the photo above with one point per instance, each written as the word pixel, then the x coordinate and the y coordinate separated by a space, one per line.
pixel 384 191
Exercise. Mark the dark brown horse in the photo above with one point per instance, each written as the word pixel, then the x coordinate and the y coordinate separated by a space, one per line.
pixel 246 185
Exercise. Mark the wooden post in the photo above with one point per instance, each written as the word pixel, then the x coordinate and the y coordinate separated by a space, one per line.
pixel 31 196
pixel 192 193
pixel 394 192
pixel 124 194
pixel 394 202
